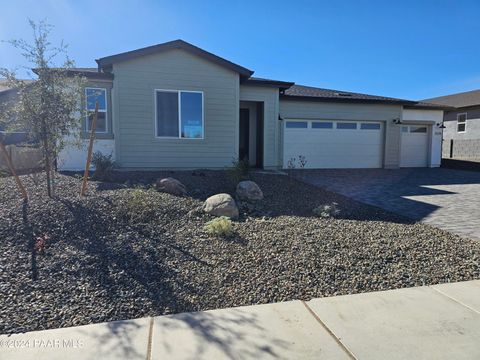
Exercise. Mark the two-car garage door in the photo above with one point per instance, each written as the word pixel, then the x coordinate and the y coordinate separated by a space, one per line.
pixel 333 144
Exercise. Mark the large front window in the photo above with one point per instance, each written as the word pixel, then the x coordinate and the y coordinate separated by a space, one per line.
pixel 179 114
pixel 93 95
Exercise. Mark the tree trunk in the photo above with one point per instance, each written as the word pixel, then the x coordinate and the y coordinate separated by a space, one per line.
pixel 47 164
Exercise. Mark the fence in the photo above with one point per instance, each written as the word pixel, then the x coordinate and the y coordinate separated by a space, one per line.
pixel 461 149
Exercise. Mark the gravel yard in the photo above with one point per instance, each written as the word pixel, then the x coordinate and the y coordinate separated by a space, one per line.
pixel 100 266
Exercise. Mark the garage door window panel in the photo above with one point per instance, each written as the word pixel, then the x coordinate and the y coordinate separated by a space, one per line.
pixel 322 125
pixel 296 125
pixel 418 129
pixel 367 126
pixel 346 126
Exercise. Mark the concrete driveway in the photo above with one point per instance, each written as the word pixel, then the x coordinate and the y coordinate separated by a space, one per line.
pixel 445 198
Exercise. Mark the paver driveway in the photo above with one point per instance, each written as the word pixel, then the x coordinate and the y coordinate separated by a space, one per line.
pixel 445 198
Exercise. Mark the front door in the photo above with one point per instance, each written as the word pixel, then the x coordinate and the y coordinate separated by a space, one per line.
pixel 244 134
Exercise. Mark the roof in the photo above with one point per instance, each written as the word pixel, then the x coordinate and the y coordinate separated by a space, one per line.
pixel 91 73
pixel 302 92
pixel 108 61
pixel 268 82
pixel 88 72
pixel 422 105
pixel 463 99
pixel 4 87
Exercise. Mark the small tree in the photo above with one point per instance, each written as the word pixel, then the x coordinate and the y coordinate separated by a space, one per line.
pixel 48 108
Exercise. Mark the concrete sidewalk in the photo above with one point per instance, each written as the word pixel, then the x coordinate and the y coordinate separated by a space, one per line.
pixel 435 322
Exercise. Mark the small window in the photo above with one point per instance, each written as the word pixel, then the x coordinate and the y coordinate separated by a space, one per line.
pixel 296 125
pixel 461 122
pixel 346 125
pixel 93 95
pixel 179 114
pixel 366 126
pixel 405 129
pixel 322 125
pixel 418 129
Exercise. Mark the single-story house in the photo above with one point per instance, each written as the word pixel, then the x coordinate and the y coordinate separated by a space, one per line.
pixel 22 151
pixel 462 125
pixel 176 106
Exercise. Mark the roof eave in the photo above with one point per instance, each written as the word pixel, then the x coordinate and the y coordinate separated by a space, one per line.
pixel 430 107
pixel 108 61
pixel 346 100
pixel 87 74
pixel 282 85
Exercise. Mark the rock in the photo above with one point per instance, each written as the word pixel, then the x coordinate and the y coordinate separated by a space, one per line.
pixel 221 205
pixel 249 191
pixel 171 186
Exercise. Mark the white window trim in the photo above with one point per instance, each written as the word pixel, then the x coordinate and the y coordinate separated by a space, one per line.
pixel 179 92
pixel 102 111
pixel 463 122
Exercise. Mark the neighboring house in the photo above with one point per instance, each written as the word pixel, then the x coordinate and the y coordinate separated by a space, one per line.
pixel 8 95
pixel 462 125
pixel 177 106
pixel 22 152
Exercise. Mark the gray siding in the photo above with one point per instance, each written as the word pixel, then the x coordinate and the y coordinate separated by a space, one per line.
pixel 294 109
pixel 472 128
pixel 466 145
pixel 134 112
pixel 269 96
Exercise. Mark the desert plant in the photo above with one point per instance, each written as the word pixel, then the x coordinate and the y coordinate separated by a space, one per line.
pixel 327 210
pixel 35 176
pixel 239 170
pixel 138 205
pixel 221 227
pixel 104 165
pixel 292 165
pixel 40 243
pixel 302 161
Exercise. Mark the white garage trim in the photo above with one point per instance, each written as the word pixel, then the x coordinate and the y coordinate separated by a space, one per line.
pixel 334 143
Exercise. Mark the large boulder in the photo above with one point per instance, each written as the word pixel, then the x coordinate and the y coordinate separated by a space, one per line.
pixel 249 191
pixel 171 186
pixel 221 205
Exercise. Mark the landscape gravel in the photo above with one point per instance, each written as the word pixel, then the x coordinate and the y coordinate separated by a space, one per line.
pixel 97 265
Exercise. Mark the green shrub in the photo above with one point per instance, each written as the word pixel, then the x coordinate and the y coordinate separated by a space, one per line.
pixel 104 165
pixel 221 226
pixel 240 170
pixel 327 210
pixel 138 205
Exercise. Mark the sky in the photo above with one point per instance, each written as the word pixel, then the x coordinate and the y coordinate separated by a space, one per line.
pixel 406 49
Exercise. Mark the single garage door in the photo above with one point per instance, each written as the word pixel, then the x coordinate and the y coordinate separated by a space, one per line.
pixel 333 144
pixel 414 146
